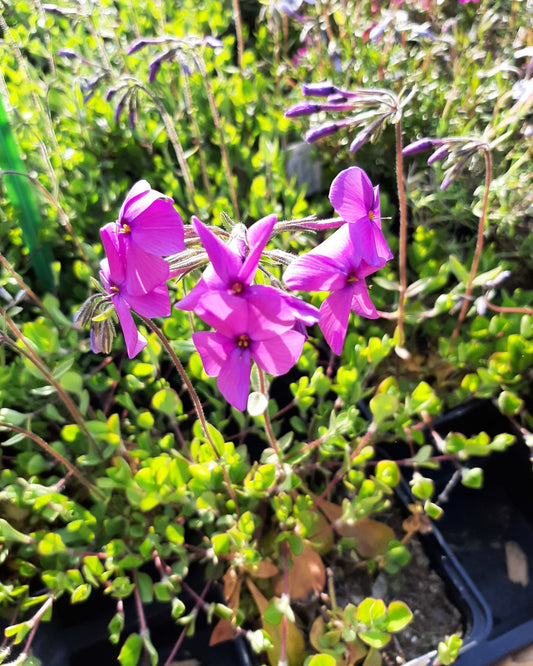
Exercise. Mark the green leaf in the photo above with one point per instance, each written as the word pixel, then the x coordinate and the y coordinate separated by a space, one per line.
pixel 398 616
pixel 374 638
pixel 388 472
pixel 131 650
pixel 9 533
pixel 472 478
pixel 167 401
pixel 81 593
pixel 51 544
pixel 321 660
pixel 460 272
pixel 370 610
pixel 448 650
pixel 384 406
pixel 422 487
pixel 115 627
pixel 152 652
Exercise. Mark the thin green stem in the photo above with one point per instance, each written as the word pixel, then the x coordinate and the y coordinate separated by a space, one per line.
pixel 196 401
pixel 66 463
pixel 479 245
pixel 216 119
pixel 176 144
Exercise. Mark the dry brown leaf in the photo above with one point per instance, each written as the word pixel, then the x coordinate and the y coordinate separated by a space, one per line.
pixel 232 588
pixel 372 536
pixel 307 576
pixel 224 631
pixel 295 640
pixel 516 560
pixel 264 570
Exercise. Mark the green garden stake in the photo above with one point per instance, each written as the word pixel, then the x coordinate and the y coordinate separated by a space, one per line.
pixel 20 193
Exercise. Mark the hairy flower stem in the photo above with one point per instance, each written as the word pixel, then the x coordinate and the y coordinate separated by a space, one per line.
pixel 60 459
pixel 34 358
pixel 196 134
pixel 238 29
pixel 196 401
pixel 268 425
pixel 479 245
pixel 176 144
pixel 216 119
pixel 402 253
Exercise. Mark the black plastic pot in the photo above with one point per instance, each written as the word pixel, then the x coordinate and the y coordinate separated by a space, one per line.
pixel 78 636
pixel 468 545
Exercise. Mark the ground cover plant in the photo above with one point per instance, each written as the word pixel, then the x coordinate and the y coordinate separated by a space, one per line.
pixel 203 345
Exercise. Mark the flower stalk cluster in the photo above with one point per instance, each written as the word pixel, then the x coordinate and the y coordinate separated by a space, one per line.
pixel 251 321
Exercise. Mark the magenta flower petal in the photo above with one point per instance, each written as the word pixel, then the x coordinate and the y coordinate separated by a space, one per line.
pixel 159 229
pixel 155 303
pixel 193 298
pixel 225 262
pixel 269 312
pixel 135 342
pixel 225 312
pixel 278 354
pixel 370 239
pixel 257 237
pixel 361 303
pixel 144 271
pixel 334 316
pixel 352 195
pixel 115 266
pixel 234 378
pixel 314 272
pixel 214 349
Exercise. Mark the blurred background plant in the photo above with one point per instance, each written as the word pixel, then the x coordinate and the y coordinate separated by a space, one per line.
pixel 104 467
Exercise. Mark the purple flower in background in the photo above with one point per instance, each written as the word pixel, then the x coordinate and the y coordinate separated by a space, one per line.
pixel 357 202
pixel 335 265
pixel 148 228
pixel 228 281
pixel 115 277
pixel 228 352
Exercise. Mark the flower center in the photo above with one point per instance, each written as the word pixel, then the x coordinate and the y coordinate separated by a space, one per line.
pixel 352 278
pixel 114 289
pixel 124 229
pixel 371 215
pixel 243 341
pixel 237 288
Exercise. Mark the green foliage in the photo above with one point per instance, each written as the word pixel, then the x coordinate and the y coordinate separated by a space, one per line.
pixel 106 471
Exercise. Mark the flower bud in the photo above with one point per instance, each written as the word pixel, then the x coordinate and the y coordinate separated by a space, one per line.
pixel 319 89
pixel 321 131
pixel 439 154
pixel 420 146
pixel 302 109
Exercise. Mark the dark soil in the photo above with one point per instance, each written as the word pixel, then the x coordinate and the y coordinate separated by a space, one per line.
pixel 416 584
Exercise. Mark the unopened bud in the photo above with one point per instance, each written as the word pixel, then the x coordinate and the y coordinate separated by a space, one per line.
pixel 420 146
pixel 319 89
pixel 302 109
pixel 326 129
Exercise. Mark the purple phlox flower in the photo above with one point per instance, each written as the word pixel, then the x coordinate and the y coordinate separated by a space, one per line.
pixel 228 352
pixel 334 266
pixel 229 280
pixel 148 228
pixel 115 278
pixel 355 199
